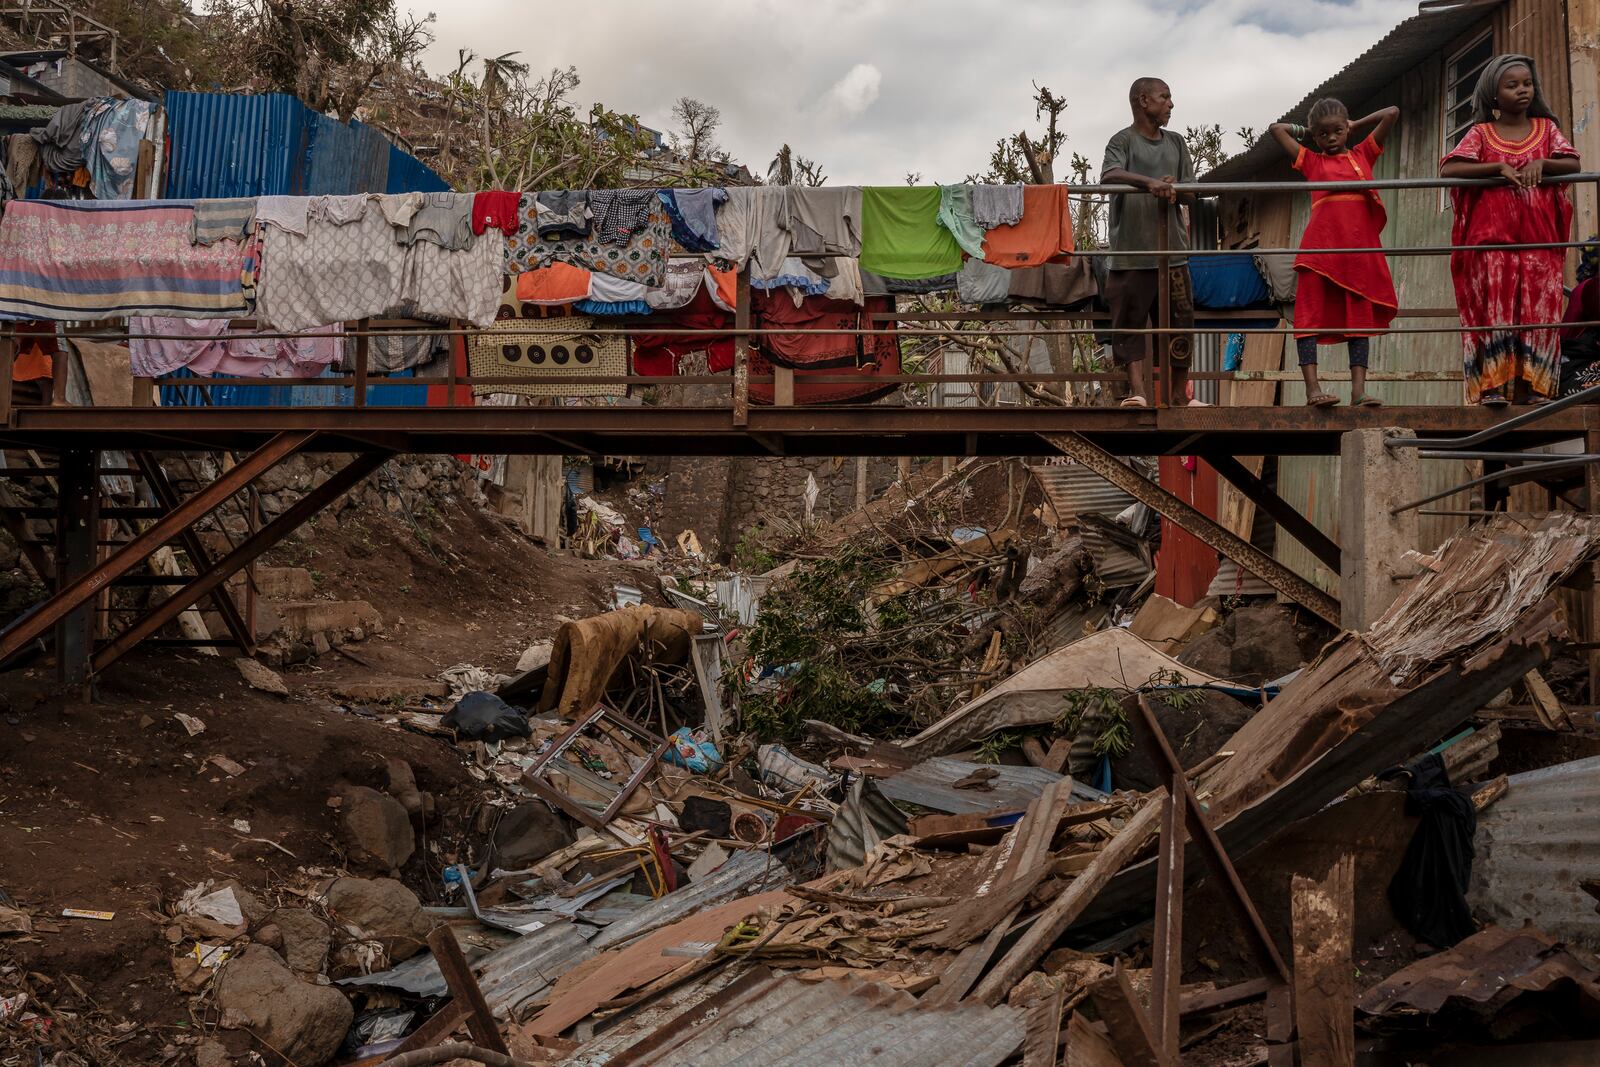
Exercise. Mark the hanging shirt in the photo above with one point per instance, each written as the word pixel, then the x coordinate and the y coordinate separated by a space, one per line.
pixel 901 236
pixel 1044 232
pixel 498 208
pixel 823 221
pixel 955 215
pixel 620 214
pixel 562 213
pixel 559 283
pixel 694 216
pixel 1136 217
pixel 996 205
pixel 752 229
pixel 444 219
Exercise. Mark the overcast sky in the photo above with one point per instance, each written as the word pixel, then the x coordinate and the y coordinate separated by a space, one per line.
pixel 874 89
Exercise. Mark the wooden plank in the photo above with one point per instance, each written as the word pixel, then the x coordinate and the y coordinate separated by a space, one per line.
pixel 1166 944
pixel 1059 914
pixel 1088 1047
pixel 1209 1000
pixel 959 976
pixel 1324 972
pixel 1126 1023
pixel 1043 1022
pixel 1552 716
pixel 464 988
pixel 782 386
pixel 444 1022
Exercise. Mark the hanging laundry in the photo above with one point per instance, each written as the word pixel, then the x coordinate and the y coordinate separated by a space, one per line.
pixel 723 287
pixel 22 161
pixel 955 215
pixel 386 355
pixel 795 274
pixel 694 216
pixel 223 220
pixel 1044 232
pixel 997 205
pixel 111 136
pixel 444 219
pixel 559 283
pixel 657 355
pixel 60 140
pixel 776 311
pixel 1065 285
pixel 878 285
pixel 823 221
pixel 339 210
pixel 752 229
pixel 85 259
pixel 983 283
pixel 901 235
pixel 613 296
pixel 684 275
pixel 524 345
pixel 209 347
pixel 619 214
pixel 643 259
pixel 498 208
pixel 564 213
pixel 399 208
pixel 877 355
pixel 441 284
pixel 290 213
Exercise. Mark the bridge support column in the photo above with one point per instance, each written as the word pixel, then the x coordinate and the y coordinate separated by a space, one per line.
pixel 1373 480
pixel 77 552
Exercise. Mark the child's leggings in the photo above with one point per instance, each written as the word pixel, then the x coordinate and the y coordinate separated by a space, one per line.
pixel 1307 347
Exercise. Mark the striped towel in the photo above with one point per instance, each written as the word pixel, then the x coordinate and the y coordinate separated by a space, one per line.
pixel 223 220
pixel 87 259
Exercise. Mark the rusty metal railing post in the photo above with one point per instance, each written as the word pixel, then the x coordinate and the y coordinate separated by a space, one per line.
pixel 1163 343
pixel 8 361
pixel 363 351
pixel 741 351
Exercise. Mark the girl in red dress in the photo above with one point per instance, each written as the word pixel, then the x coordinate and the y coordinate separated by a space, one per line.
pixel 1340 297
pixel 1515 138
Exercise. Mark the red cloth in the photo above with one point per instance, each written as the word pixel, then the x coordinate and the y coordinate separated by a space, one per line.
pixel 496 207
pixel 657 355
pixel 775 309
pixel 1499 290
pixel 1340 296
pixel 879 355
pixel 1583 305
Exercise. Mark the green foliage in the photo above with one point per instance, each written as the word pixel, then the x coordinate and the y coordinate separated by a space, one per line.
pixel 991 748
pixel 1100 709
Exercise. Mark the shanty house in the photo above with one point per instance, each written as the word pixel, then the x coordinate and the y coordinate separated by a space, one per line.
pixel 1427 66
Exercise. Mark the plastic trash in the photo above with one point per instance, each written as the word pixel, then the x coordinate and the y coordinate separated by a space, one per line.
pixel 483 716
pixel 783 770
pixel 692 749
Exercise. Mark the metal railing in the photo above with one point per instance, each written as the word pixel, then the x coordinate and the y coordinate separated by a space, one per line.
pixel 914 326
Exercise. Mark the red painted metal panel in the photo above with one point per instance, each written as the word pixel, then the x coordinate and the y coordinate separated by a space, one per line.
pixel 1185 564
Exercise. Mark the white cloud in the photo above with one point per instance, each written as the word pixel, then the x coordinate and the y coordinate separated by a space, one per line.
pixel 855 92
pixel 876 88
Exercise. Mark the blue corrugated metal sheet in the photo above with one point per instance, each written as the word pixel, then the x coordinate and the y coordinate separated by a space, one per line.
pixel 221 145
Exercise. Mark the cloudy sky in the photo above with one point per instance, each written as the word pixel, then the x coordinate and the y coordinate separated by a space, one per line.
pixel 874 89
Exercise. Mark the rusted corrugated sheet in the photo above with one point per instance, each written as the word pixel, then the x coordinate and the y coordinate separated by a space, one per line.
pixel 270 144
pixel 1488 968
pixel 1534 846
pixel 931 784
pixel 1185 564
pixel 1074 491
pixel 784 1022
pixel 745 874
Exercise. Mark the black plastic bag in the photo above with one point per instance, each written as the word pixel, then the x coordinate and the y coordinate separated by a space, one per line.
pixel 1429 891
pixel 483 716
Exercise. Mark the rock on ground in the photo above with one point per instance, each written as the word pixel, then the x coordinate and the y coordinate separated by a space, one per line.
pixel 383 909
pixel 211 1054
pixel 1254 645
pixel 527 834
pixel 259 676
pixel 1196 730
pixel 305 1022
pixel 305 940
pixel 375 830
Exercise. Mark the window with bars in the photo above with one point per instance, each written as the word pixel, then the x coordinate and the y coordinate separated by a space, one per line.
pixel 1460 78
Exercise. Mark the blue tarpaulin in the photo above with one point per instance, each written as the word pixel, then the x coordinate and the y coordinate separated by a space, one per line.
pixel 1228 282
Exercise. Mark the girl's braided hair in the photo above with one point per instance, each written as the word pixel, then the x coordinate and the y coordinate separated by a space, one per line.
pixel 1326 108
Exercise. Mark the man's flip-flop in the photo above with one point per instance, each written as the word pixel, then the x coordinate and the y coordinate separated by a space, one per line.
pixel 1321 400
pixel 1134 402
pixel 1367 400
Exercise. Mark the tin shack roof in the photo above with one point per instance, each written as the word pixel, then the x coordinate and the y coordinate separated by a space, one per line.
pixel 1431 28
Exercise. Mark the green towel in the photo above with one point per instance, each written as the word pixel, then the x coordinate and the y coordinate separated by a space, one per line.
pixel 901 236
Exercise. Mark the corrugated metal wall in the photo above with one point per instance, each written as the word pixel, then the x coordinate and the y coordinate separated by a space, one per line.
pixel 221 145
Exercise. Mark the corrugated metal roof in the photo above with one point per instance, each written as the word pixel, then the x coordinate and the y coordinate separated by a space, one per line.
pixel 746 873
pixel 271 144
pixel 1074 491
pixel 510 976
pixel 931 784
pixel 1402 48
pixel 1480 969
pixel 1534 846
pixel 784 1022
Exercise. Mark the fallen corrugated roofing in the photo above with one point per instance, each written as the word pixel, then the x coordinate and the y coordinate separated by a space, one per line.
pixel 1401 49
pixel 931 784
pixel 745 874
pixel 510 976
pixel 1089 503
pixel 1534 846
pixel 1034 696
pixel 784 1022
pixel 1488 968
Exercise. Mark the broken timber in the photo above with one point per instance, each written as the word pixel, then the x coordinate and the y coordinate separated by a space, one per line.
pixel 1213 533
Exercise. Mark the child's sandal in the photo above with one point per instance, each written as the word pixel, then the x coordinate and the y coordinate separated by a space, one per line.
pixel 1321 400
pixel 1367 400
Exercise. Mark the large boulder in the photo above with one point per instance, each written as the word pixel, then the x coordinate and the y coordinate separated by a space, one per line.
pixel 382 910
pixel 1197 723
pixel 375 830
pixel 527 834
pixel 304 1022
pixel 305 940
pixel 1256 644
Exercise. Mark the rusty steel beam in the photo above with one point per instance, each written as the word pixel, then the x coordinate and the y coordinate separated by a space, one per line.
pixel 1205 528
pixel 169 499
pixel 249 549
pixel 80 590
pixel 1283 513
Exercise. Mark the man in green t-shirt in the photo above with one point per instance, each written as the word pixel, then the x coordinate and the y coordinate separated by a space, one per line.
pixel 1148 156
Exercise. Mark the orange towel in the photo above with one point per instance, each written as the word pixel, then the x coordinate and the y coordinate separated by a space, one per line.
pixel 1044 233
pixel 33 364
pixel 724 287
pixel 559 283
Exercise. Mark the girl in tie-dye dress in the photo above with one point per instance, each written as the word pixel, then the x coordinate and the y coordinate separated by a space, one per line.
pixel 1498 291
